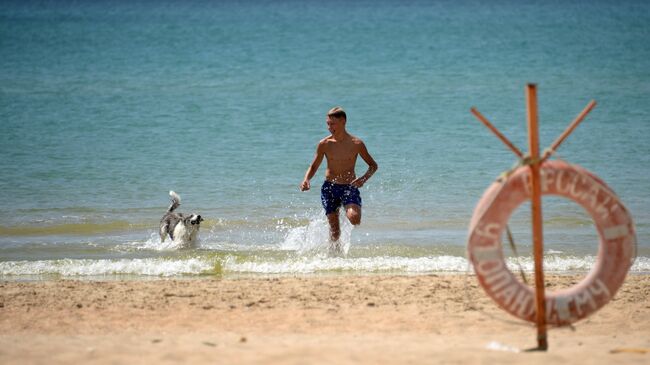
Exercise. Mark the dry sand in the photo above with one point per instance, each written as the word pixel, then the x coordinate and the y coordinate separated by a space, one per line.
pixel 433 319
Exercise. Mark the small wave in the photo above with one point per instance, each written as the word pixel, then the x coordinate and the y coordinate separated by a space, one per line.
pixel 408 265
pixel 256 263
pixel 73 268
pixel 310 265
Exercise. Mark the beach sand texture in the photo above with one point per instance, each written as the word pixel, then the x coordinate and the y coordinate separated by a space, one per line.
pixel 430 319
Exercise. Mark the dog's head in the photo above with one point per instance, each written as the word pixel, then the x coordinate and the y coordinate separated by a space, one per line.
pixel 193 220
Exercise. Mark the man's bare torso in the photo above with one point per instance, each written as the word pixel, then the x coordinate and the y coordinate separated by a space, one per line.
pixel 341 157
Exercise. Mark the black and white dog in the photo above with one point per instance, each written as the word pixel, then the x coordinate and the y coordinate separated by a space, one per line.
pixel 182 229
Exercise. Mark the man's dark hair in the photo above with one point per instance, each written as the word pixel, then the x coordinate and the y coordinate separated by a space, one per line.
pixel 337 112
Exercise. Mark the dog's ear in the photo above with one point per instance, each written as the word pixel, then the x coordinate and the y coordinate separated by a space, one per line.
pixel 201 218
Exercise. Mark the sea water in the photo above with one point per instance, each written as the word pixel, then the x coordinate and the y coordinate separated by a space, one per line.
pixel 105 106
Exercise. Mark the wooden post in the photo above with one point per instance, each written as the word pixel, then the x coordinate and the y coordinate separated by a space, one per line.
pixel 496 132
pixel 569 129
pixel 535 163
pixel 536 205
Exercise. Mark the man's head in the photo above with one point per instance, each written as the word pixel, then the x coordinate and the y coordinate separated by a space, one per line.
pixel 336 119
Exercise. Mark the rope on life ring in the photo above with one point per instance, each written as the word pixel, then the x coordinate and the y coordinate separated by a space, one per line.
pixel 616 252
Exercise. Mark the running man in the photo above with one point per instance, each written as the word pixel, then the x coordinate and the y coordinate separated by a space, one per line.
pixel 341 186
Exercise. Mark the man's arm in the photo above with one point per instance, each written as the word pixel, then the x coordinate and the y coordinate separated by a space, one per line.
pixel 315 164
pixel 372 167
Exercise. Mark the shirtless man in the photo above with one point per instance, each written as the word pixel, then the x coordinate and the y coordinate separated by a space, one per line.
pixel 341 183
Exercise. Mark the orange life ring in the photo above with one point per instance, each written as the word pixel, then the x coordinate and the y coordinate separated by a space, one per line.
pixel 616 252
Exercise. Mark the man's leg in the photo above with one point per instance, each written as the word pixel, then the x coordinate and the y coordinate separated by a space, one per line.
pixel 335 233
pixel 353 212
pixel 335 229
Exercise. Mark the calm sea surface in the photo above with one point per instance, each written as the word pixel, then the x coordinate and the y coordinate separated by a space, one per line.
pixel 105 106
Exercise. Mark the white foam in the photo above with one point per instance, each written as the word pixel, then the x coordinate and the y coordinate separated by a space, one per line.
pixel 319 263
pixel 322 263
pixel 86 267
pixel 410 265
pixel 554 263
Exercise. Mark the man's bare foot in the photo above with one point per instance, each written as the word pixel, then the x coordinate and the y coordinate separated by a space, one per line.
pixel 335 249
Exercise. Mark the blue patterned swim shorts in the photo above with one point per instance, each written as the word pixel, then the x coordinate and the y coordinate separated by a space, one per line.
pixel 334 195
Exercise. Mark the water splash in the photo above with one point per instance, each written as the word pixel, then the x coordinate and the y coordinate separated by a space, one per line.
pixel 314 237
pixel 155 244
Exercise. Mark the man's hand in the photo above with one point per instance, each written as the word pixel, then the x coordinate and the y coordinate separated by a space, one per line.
pixel 358 182
pixel 305 185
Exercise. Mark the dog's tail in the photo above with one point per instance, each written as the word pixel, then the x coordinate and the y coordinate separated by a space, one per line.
pixel 176 201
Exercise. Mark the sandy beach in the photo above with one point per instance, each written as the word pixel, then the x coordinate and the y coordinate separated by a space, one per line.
pixel 302 320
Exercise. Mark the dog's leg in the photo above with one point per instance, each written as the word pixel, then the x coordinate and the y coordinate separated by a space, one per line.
pixel 163 232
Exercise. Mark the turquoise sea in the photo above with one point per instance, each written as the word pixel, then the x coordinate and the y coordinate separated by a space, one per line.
pixel 107 105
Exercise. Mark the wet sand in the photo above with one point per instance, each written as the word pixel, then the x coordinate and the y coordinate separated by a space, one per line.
pixel 428 319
